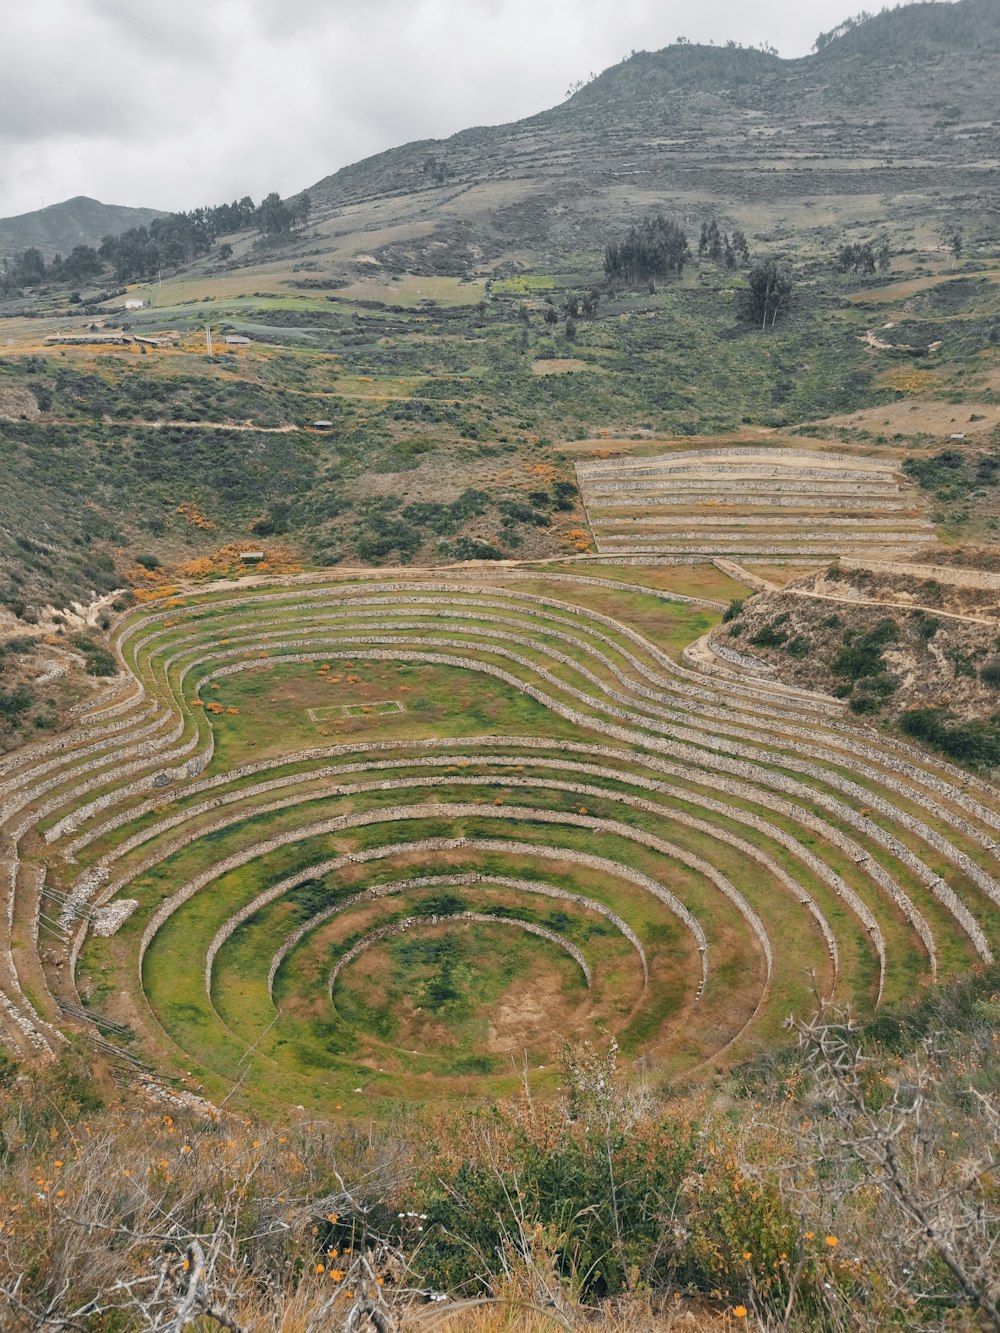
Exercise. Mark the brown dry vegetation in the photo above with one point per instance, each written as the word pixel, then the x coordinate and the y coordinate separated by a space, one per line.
pixel 849 1186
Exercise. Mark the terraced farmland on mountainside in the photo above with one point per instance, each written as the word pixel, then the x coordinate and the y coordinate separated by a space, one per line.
pixel 500 721
pixel 389 830
pixel 558 828
pixel 760 502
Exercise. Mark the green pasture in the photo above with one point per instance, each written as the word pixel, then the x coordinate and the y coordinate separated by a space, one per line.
pixel 274 703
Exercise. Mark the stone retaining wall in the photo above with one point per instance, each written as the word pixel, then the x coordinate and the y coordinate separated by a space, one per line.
pixel 932 881
pixel 426 846
pixel 401 886
pixel 509 781
pixel 705 731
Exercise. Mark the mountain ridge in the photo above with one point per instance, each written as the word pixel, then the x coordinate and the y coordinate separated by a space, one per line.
pixel 890 61
pixel 57 228
pixel 913 76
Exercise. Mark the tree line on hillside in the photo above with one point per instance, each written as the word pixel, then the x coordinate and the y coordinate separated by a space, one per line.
pixel 865 258
pixel 769 290
pixel 907 26
pixel 654 249
pixel 842 29
pixel 753 48
pixel 721 248
pixel 166 243
pixel 657 247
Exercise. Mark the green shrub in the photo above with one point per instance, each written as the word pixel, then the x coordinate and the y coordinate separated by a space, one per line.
pixel 769 637
pixel 21 644
pixel 600 1196
pixel 445 519
pixel 799 647
pixel 973 743
pixel 522 513
pixel 400 538
pixel 963 663
pixel 473 548
pixel 862 654
pixel 866 703
pixel 96 658
pixel 15 703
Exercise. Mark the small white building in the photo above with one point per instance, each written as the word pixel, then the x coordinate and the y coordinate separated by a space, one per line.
pixel 133 303
pixel 236 340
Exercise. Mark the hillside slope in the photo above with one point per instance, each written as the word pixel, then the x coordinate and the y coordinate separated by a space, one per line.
pixel 445 313
pixel 905 104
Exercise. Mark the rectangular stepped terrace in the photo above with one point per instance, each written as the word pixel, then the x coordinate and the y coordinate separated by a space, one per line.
pixel 753 501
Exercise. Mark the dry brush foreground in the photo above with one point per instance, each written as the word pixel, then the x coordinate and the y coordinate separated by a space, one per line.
pixel 850 1186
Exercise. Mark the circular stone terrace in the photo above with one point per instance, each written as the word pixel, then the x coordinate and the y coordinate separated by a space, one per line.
pixel 399 838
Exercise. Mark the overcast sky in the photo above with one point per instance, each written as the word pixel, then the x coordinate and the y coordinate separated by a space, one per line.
pixel 171 105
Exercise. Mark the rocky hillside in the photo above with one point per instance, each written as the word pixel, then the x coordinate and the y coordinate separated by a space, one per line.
pixel 444 312
pixel 914 652
pixel 903 103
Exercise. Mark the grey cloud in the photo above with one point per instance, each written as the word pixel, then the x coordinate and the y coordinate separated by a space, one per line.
pixel 188 32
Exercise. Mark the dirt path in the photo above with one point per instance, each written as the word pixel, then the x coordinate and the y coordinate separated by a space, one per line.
pixel 742 575
pixel 899 606
pixel 484 567
pixel 196 425
pixel 259 430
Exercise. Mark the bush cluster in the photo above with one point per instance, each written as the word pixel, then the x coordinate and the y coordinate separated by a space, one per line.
pixel 974 743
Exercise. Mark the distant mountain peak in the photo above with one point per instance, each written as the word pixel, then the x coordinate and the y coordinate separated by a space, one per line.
pixel 57 228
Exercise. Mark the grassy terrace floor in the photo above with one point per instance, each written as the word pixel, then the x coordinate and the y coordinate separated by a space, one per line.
pixel 403 834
